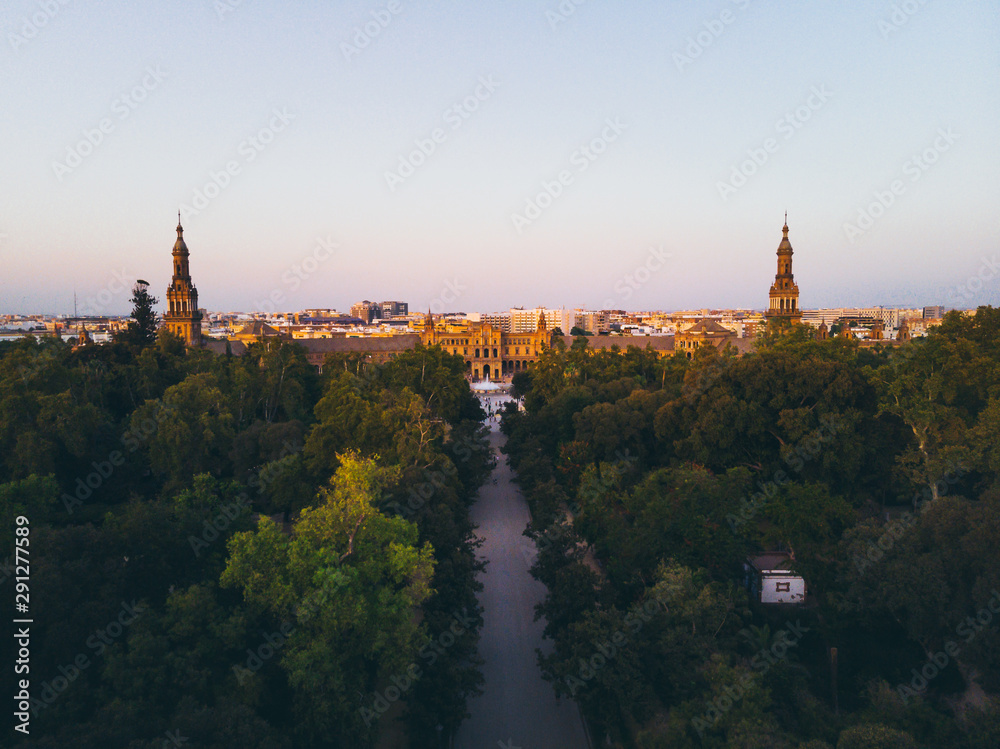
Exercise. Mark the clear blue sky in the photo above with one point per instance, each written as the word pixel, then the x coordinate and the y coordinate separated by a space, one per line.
pixel 211 75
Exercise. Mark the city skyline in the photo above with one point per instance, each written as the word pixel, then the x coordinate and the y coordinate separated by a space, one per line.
pixel 272 304
pixel 523 154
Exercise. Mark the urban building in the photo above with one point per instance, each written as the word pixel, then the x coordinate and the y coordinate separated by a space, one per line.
pixel 784 295
pixel 499 320
pixel 527 320
pixel 703 333
pixel 593 322
pixel 489 353
pixel 182 317
pixel 771 578
pixel 394 309
pixel 366 311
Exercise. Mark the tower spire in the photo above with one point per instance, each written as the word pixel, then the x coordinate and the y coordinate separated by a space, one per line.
pixel 784 294
pixel 182 316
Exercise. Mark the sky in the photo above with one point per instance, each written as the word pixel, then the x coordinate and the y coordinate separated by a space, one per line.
pixel 480 156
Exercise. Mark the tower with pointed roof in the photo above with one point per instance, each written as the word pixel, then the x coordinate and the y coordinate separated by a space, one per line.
pixel 182 316
pixel 784 296
pixel 83 336
pixel 903 336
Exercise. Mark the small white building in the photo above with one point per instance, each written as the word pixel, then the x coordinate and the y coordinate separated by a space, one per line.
pixel 771 579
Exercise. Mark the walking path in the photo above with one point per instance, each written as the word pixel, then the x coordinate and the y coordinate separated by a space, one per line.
pixel 518 709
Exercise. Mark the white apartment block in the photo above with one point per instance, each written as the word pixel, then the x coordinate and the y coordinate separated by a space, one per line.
pixel 526 320
pixel 890 316
pixel 498 320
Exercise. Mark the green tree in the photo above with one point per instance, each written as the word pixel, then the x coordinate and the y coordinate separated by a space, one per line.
pixel 187 431
pixel 347 580
pixel 875 736
pixel 141 331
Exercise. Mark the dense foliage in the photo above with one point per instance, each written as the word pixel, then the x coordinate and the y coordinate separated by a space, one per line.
pixel 651 481
pixel 237 550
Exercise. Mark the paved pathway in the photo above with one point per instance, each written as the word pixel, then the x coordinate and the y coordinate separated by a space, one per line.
pixel 518 709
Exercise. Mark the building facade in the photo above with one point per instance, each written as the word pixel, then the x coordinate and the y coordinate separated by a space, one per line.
pixel 595 322
pixel 527 320
pixel 499 320
pixel 784 297
pixel 489 352
pixel 182 317
pixel 366 311
pixel 394 309
pixel 703 333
